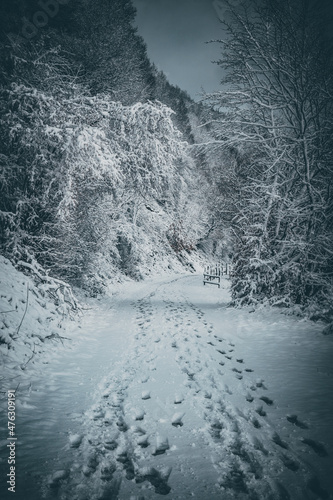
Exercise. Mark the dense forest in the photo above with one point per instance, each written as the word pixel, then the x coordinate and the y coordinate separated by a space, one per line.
pixel 108 170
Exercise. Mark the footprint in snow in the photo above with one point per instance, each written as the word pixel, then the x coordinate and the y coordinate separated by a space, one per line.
pixel 145 395
pixel 121 424
pixel 293 419
pixel 257 444
pixel 107 472
pixel 176 420
pixel 138 414
pixel 249 370
pixel 57 478
pixel 289 463
pixel 98 413
pixel 179 398
pixel 317 447
pixel 136 429
pixel 211 343
pixel 93 461
pixel 227 390
pixel 158 479
pixel 228 357
pixel 277 440
pixel 240 360
pixel 237 371
pixel 127 463
pixel 216 428
pixel 162 445
pixel 261 411
pixel 315 486
pixel 110 444
pixel 260 383
pixel 143 441
pixel 256 423
pixel 266 400
pixel 75 440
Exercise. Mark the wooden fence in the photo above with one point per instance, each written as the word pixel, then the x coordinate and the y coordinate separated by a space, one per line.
pixel 213 273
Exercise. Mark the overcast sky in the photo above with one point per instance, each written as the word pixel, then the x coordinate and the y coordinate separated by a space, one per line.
pixel 175 32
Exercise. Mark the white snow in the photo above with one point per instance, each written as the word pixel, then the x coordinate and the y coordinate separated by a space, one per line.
pixel 31 323
pixel 227 404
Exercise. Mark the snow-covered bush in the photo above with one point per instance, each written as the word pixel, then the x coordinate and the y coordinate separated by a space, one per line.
pixel 178 238
pixel 75 172
pixel 33 308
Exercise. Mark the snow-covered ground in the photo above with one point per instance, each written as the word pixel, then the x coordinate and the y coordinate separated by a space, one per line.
pixel 165 391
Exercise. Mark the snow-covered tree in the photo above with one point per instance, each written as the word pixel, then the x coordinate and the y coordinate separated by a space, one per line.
pixel 65 156
pixel 276 108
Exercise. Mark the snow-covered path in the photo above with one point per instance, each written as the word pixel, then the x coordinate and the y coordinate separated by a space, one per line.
pixel 170 393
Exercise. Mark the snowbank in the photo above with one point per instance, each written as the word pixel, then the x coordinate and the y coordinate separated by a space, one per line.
pixel 32 317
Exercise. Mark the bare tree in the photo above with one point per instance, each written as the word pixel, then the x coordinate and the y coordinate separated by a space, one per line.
pixel 277 118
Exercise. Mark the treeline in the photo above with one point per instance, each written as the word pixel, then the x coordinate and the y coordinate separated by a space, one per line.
pixel 95 175
pixel 275 134
pixel 99 42
pixel 96 172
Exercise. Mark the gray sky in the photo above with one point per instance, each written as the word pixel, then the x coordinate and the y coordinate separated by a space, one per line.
pixel 175 32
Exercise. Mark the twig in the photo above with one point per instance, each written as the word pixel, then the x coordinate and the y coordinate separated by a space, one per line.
pixel 56 336
pixel 4 312
pixel 23 367
pixel 25 312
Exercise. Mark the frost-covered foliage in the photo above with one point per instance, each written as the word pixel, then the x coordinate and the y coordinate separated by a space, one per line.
pixel 90 186
pixel 31 313
pixel 275 130
pixel 76 172
pixel 93 168
pixel 218 191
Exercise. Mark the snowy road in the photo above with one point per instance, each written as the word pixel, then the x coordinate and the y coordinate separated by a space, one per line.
pixel 170 393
